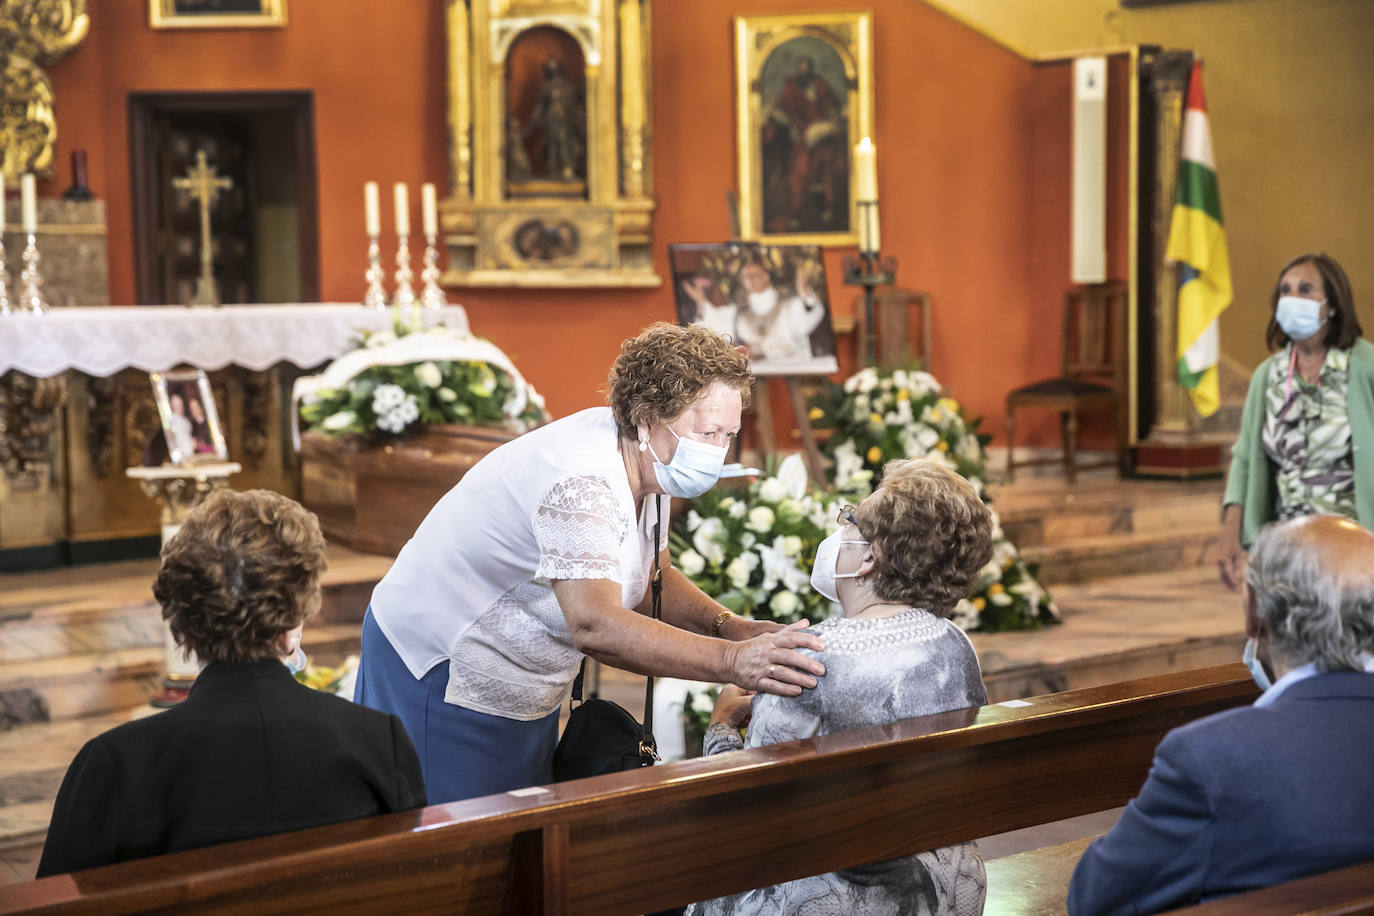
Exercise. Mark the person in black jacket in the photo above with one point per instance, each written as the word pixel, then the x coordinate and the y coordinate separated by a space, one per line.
pixel 250 752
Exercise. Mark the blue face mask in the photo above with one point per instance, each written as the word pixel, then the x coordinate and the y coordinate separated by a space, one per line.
pixel 1300 318
pixel 695 467
pixel 1256 666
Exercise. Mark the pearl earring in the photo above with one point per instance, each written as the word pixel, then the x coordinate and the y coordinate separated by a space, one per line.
pixel 643 445
pixel 859 581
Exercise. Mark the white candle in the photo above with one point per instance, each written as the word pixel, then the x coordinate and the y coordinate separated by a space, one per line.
pixel 865 224
pixel 429 209
pixel 402 209
pixel 874 234
pixel 2 201
pixel 865 170
pixel 28 191
pixel 372 209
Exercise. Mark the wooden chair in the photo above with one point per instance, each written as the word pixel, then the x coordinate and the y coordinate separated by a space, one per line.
pixel 1092 378
pixel 893 321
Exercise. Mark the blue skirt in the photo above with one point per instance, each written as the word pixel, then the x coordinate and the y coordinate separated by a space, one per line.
pixel 463 753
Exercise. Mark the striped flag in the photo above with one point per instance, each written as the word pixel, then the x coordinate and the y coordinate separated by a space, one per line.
pixel 1197 242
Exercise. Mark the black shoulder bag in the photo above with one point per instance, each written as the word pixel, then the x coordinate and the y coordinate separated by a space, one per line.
pixel 601 736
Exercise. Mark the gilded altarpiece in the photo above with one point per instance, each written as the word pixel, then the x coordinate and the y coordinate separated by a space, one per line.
pixel 551 171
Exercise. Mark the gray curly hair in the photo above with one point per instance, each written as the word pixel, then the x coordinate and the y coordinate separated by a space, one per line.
pixel 1313 582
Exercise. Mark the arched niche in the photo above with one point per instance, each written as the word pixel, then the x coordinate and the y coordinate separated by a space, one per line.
pixel 545 144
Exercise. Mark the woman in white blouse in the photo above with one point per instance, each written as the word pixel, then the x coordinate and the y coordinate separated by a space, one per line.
pixel 542 554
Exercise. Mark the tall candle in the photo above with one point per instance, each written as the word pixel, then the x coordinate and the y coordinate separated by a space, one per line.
pixel 429 209
pixel 402 209
pixel 874 233
pixel 865 170
pixel 372 209
pixel 2 201
pixel 28 191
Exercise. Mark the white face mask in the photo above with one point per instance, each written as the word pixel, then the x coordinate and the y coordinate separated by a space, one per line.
pixel 823 574
pixel 695 467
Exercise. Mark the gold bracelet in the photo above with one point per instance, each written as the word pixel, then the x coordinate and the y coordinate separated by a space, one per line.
pixel 720 621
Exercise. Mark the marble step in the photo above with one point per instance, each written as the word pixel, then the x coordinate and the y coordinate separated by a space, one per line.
pixel 1032 515
pixel 1124 554
pixel 95 683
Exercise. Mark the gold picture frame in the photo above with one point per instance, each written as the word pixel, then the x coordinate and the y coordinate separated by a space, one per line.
pixel 216 14
pixel 804 87
pixel 190 422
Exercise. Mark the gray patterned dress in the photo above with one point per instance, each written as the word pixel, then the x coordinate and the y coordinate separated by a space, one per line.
pixel 1307 436
pixel 877 672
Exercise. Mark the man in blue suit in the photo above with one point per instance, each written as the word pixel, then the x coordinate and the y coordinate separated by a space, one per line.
pixel 1270 792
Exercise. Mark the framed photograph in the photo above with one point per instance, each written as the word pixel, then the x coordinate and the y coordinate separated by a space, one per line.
pixel 216 14
pixel 805 98
pixel 771 299
pixel 186 406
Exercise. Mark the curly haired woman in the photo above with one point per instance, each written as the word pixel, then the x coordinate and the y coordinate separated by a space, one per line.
pixel 898 565
pixel 250 752
pixel 541 555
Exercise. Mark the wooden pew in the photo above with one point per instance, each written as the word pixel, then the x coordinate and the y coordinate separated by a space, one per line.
pixel 646 840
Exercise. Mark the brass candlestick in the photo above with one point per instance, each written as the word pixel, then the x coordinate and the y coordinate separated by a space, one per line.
pixel 375 297
pixel 4 278
pixel 432 295
pixel 405 294
pixel 30 281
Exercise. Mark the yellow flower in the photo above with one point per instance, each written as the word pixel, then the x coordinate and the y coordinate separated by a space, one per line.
pixel 948 404
pixel 816 413
pixel 996 589
pixel 903 394
pixel 874 455
pixel 942 446
pixel 979 603
pixel 876 419
pixel 1008 563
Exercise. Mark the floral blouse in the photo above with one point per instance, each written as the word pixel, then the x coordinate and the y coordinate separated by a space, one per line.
pixel 1307 437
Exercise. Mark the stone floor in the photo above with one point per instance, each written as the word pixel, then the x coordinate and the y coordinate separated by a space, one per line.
pixel 80 645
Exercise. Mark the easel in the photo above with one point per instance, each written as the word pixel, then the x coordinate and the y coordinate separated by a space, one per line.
pixel 761 406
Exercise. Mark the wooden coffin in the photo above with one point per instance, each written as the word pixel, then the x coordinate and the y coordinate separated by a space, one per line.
pixel 373 497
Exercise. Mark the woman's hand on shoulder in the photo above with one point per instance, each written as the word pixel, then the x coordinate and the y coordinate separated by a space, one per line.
pixel 738 628
pixel 770 662
pixel 733 707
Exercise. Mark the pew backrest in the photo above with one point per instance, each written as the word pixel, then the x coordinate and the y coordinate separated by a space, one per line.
pixel 645 840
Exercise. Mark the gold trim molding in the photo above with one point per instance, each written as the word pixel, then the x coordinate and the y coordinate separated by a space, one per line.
pixel 34 34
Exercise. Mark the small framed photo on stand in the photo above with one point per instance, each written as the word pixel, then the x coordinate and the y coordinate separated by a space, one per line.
pixel 186 406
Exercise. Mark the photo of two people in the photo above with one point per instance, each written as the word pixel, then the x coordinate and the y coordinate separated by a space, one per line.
pixel 186 406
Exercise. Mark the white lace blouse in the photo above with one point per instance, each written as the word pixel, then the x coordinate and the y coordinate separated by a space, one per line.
pixel 474 585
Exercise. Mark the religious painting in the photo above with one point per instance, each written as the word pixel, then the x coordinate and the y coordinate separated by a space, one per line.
pixel 186 406
pixel 216 14
pixel 770 299
pixel 805 98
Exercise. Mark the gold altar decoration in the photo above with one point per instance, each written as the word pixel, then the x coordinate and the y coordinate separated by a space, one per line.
pixel 203 184
pixel 551 170
pixel 33 35
pixel 805 99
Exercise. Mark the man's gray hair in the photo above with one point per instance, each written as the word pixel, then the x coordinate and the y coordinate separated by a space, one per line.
pixel 1315 611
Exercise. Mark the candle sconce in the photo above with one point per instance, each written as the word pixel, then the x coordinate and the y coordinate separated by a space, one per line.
pixel 405 293
pixel 870 270
pixel 375 297
pixel 31 281
pixel 431 295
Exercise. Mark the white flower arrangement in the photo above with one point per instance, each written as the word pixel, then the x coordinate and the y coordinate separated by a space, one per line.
pixel 394 380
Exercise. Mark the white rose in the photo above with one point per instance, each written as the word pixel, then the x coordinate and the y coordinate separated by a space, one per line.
pixel 691 563
pixel 380 339
pixel 1001 599
pixel 868 380
pixel 772 490
pixel 447 395
pixel 706 541
pixel 737 509
pixel 965 615
pixel 747 539
pixel 760 519
pixel 784 604
pixel 429 375
pixel 791 545
pixel 341 420
pixel 693 520
pixel 738 572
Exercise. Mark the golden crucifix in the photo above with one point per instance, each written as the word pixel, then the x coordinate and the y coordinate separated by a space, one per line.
pixel 204 186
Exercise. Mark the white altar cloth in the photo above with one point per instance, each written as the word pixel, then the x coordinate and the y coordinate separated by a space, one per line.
pixel 102 341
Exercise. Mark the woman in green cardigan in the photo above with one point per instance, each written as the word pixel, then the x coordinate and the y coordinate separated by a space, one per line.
pixel 1306 443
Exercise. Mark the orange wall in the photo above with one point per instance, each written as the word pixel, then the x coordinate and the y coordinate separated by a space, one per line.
pixel 972 170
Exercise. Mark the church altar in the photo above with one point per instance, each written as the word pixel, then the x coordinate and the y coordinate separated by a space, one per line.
pixel 77 408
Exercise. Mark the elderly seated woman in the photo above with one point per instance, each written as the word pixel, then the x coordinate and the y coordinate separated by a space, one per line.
pixel 898 565
pixel 250 752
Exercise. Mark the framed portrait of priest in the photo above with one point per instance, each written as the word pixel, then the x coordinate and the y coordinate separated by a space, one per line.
pixel 190 423
pixel 805 98
pixel 770 299
pixel 216 14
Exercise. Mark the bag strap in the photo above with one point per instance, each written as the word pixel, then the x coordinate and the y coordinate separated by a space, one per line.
pixel 656 588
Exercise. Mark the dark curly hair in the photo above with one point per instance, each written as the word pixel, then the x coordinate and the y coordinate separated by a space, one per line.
pixel 929 532
pixel 662 371
pixel 243 570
